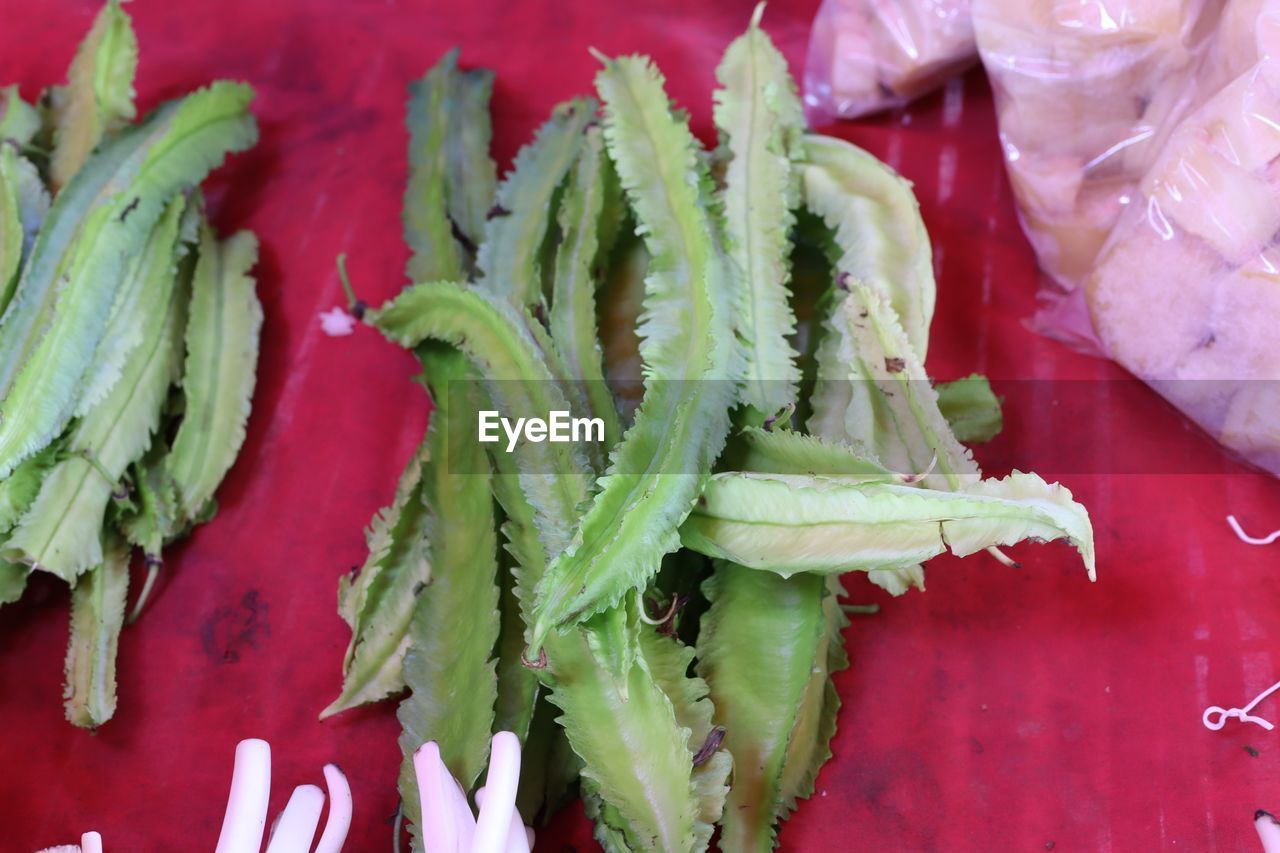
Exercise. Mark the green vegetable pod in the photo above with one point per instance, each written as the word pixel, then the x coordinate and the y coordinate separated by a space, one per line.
pixel 24 203
pixel 98 96
pixel 449 667
pixel 572 322
pixel 510 258
pixel 790 524
pixel 885 405
pixel 61 531
pixel 378 602
pixel 878 231
pixel 761 122
pixel 766 647
pixel 222 339
pixel 97 616
pixel 687 343
pixel 509 352
pixel 51 329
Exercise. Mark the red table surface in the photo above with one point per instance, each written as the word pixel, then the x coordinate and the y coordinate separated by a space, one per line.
pixel 1001 710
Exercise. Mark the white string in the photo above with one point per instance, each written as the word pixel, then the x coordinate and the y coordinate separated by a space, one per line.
pixel 1241 714
pixel 1251 540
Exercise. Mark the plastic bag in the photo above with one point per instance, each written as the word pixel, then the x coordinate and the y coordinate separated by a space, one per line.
pixel 869 55
pixel 1186 291
pixel 1085 90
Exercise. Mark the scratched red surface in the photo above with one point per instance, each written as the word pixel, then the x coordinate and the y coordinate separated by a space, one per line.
pixel 1002 710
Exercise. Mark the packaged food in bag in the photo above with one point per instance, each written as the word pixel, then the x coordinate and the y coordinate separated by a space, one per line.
pixel 870 55
pixel 1185 293
pixel 1084 90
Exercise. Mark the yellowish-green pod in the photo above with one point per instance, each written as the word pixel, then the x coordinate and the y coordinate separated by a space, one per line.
pixel 378 601
pixel 222 332
pixel 98 97
pixel 878 230
pixel 97 615
pixel 51 330
pixel 789 524
pixel 761 121
pixel 60 532
pixel 885 405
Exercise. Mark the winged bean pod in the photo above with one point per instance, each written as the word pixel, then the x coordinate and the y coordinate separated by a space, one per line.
pixel 97 615
pixel 449 667
pixel 657 469
pixel 176 147
pixel 789 524
pixel 99 93
pixel 60 533
pixel 759 115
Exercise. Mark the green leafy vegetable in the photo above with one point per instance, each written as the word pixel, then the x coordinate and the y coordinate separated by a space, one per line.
pixel 617 256
pixel 128 337
pixel 176 147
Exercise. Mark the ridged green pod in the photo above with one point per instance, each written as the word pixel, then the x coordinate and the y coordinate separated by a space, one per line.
pixel 669 661
pixel 24 202
pixel 378 602
pixel 891 411
pixel 688 347
pixel 510 257
pixel 790 524
pixel 99 221
pixel 761 121
pixel 787 452
pixel 510 353
pixel 756 649
pixel 60 533
pixel 97 615
pixel 449 667
pixel 809 745
pixel 98 96
pixel 572 322
pixel 222 333
pixel 451 176
pixel 878 229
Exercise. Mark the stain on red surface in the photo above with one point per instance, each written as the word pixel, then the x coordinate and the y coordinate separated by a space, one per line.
pixel 1002 710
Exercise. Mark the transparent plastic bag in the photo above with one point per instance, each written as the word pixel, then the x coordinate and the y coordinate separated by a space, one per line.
pixel 870 55
pixel 1185 293
pixel 1085 90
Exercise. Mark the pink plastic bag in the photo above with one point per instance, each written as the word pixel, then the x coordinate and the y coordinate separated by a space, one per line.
pixel 869 55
